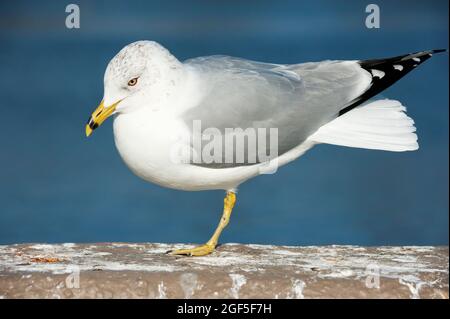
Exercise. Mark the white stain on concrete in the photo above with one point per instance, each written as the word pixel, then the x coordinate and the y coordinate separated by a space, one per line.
pixel 162 294
pixel 189 284
pixel 87 258
pixel 414 284
pixel 238 281
pixel 297 289
pixel 42 247
pixel 338 273
pixel 349 262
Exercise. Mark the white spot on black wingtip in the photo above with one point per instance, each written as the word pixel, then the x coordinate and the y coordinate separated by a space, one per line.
pixel 389 67
pixel 416 59
pixel 377 73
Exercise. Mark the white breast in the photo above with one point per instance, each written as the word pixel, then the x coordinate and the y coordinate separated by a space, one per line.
pixel 146 141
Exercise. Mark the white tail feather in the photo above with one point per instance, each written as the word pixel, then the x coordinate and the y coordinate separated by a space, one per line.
pixel 378 125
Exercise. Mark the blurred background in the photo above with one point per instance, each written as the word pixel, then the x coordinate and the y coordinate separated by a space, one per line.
pixel 58 186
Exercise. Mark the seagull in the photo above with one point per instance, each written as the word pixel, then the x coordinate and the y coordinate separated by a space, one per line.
pixel 214 122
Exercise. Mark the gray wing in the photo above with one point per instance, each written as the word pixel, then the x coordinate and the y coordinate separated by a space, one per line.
pixel 295 99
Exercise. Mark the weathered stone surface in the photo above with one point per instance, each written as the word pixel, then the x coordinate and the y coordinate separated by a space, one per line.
pixel 120 270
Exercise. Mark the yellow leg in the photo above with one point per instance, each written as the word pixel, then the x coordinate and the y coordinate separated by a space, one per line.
pixel 206 249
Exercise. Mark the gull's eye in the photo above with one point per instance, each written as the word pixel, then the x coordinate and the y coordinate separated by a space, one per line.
pixel 132 82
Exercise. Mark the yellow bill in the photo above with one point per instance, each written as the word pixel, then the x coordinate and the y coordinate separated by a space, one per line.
pixel 100 114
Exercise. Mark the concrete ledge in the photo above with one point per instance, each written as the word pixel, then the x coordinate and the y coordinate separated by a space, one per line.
pixel 120 270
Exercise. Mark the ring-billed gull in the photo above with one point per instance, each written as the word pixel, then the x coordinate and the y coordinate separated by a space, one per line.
pixel 214 122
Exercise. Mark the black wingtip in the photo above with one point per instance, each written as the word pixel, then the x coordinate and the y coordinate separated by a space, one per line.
pixel 425 52
pixel 386 72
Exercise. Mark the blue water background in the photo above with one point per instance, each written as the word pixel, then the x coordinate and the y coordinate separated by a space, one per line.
pixel 58 186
